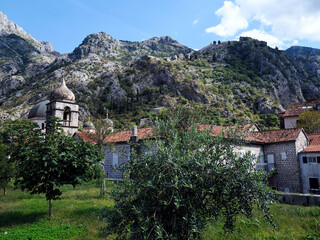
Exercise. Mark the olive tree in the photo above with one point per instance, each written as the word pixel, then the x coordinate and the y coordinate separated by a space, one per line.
pixel 45 162
pixel 191 179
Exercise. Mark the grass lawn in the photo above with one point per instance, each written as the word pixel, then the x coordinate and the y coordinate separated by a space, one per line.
pixel 75 216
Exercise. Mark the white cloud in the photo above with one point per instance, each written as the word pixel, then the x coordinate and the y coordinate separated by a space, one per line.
pixel 286 20
pixel 232 20
pixel 195 22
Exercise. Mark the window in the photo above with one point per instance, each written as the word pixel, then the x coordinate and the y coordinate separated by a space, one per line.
pixel 311 159
pixel 283 156
pixel 42 126
pixel 115 159
pixel 314 183
pixel 67 114
pixel 270 158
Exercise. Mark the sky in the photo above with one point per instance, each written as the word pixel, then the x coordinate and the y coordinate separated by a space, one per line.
pixel 194 23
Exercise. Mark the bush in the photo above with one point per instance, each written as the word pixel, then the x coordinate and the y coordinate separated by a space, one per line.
pixel 188 179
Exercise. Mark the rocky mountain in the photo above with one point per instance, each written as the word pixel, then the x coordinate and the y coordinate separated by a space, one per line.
pixel 299 50
pixel 230 80
pixel 308 60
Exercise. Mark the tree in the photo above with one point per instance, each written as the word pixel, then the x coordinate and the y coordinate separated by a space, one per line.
pixel 310 121
pixel 45 162
pixel 190 179
pixel 102 130
pixel 6 168
pixel 9 130
pixel 269 121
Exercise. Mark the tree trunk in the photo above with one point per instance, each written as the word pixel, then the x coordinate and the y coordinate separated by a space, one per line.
pixel 103 187
pixel 4 191
pixel 50 208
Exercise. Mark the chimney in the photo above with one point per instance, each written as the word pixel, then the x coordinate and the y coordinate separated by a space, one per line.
pixel 134 136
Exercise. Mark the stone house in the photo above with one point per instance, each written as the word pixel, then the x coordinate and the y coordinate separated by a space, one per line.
pixel 281 150
pixel 309 160
pixel 289 118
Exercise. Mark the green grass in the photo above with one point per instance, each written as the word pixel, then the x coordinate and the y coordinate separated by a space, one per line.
pixel 76 216
pixel 293 222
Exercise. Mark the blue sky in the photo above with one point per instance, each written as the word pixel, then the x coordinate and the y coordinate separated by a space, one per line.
pixel 194 23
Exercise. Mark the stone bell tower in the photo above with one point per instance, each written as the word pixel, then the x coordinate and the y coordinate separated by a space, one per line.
pixel 63 105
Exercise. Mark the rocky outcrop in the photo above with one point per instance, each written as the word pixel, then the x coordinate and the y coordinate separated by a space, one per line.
pixel 234 78
pixel 8 27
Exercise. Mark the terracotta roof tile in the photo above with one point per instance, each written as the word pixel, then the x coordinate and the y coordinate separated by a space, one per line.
pixel 86 136
pixel 215 130
pixel 297 109
pixel 124 136
pixel 273 136
pixel 117 137
pixel 282 135
pixel 314 145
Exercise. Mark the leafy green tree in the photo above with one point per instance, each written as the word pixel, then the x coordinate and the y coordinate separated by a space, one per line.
pixel 45 162
pixel 310 121
pixel 269 121
pixel 190 179
pixel 9 130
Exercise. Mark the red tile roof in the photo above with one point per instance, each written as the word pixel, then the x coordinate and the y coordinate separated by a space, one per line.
pixel 118 137
pixel 282 135
pixel 297 109
pixel 89 137
pixel 314 145
pixel 273 136
pixel 215 130
pixel 124 136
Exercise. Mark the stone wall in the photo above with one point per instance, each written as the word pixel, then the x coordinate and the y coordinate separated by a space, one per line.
pixel 286 177
pixel 290 122
pixel 299 199
pixel 56 109
pixel 123 153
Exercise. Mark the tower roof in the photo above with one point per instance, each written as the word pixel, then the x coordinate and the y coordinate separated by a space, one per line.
pixel 62 93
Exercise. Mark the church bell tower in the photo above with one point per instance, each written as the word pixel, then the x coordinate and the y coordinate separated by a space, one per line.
pixel 63 105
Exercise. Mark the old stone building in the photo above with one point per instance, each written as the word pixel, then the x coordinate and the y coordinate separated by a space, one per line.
pixel 276 150
pixel 62 104
pixel 290 117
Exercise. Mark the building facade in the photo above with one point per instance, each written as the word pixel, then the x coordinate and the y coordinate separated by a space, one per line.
pixel 62 105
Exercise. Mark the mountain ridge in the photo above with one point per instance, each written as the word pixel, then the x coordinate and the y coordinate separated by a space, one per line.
pixel 230 80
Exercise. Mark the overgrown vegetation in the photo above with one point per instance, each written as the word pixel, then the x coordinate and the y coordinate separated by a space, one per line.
pixel 185 179
pixel 24 216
